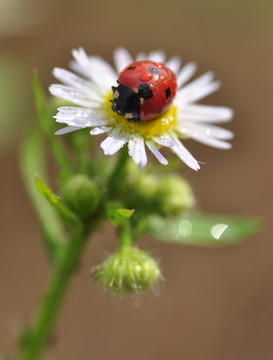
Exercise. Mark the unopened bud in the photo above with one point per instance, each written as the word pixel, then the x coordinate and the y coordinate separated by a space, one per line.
pixel 146 185
pixel 81 194
pixel 174 195
pixel 128 270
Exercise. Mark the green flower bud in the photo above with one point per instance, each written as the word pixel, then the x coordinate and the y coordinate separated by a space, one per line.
pixel 128 270
pixel 174 195
pixel 146 185
pixel 81 194
pixel 137 186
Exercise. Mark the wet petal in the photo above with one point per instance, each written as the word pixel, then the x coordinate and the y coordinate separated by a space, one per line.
pixel 156 153
pixel 205 113
pixel 67 129
pixel 164 142
pixel 141 56
pixel 114 142
pixel 198 135
pixel 157 56
pixel 207 130
pixel 122 58
pixel 174 64
pixel 137 151
pixel 96 69
pixel 100 130
pixel 186 73
pixel 71 94
pixel 185 155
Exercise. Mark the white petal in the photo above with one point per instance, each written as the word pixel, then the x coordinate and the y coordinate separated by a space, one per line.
pixel 203 92
pixel 75 111
pixel 81 64
pixel 96 69
pixel 71 94
pixel 207 130
pixel 102 73
pixel 198 83
pixel 156 153
pixel 80 117
pixel 122 58
pixel 164 142
pixel 137 151
pixel 67 129
pixel 75 66
pixel 114 142
pixel 198 135
pixel 185 155
pixel 157 56
pixel 100 130
pixel 174 64
pixel 186 73
pixel 197 90
pixel 141 56
pixel 205 113
pixel 70 79
pixel 83 122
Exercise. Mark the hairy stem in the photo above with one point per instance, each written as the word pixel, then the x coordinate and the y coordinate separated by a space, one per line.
pixel 54 295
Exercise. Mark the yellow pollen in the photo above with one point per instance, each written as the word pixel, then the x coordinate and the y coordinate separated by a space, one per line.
pixel 147 129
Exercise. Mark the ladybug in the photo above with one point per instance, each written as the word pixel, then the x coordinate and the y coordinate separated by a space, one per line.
pixel 145 89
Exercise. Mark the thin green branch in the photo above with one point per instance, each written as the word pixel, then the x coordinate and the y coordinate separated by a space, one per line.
pixel 47 126
pixel 125 235
pixel 52 300
pixel 118 171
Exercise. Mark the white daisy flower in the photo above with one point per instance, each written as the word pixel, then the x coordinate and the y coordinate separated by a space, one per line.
pixel 92 93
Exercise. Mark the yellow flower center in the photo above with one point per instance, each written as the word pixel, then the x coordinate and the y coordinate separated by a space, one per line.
pixel 147 129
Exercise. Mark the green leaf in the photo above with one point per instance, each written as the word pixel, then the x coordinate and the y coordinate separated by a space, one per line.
pixel 33 160
pixel 118 216
pixel 69 216
pixel 47 125
pixel 203 230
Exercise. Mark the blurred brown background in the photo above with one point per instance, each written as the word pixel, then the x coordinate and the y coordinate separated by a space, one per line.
pixel 215 303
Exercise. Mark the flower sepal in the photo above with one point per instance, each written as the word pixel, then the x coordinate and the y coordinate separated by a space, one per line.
pixel 117 214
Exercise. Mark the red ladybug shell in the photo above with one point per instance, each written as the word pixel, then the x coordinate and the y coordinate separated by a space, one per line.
pixel 155 84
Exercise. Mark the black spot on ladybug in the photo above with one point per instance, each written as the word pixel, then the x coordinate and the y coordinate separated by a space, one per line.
pixel 131 68
pixel 144 91
pixel 168 93
pixel 153 70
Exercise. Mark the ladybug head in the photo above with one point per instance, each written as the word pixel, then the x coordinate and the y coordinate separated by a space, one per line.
pixel 126 102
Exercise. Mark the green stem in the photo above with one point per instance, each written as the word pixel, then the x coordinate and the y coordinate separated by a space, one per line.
pixel 117 172
pixel 125 235
pixel 52 300
pixel 48 127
